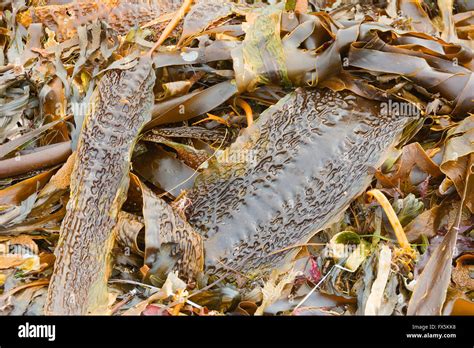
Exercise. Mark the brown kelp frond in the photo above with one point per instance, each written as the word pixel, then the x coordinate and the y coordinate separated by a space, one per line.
pixel 191 187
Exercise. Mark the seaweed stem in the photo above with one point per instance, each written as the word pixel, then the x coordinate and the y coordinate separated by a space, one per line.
pixel 248 110
pixel 40 158
pixel 392 217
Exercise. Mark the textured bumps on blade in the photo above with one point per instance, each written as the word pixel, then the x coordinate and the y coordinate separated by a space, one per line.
pixel 289 175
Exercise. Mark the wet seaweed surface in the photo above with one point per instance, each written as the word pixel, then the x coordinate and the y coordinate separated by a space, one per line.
pixel 232 157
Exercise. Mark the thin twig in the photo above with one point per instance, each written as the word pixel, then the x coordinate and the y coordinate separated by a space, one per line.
pixel 296 246
pixel 134 283
pixel 208 286
pixel 172 24
pixel 314 288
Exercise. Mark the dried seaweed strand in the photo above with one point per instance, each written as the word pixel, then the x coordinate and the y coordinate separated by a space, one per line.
pixel 392 217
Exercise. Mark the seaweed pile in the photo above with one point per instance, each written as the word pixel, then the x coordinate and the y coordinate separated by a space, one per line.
pixel 224 157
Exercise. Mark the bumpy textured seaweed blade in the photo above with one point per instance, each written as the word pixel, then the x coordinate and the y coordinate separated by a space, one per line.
pixel 121 15
pixel 165 229
pixel 99 183
pixel 288 176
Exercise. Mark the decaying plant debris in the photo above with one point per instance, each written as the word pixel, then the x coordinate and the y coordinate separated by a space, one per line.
pixel 218 157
